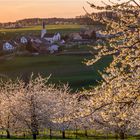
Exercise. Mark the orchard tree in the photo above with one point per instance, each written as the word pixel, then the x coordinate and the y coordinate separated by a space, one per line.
pixel 37 105
pixel 33 105
pixel 116 102
pixel 65 106
pixel 8 121
pixel 114 107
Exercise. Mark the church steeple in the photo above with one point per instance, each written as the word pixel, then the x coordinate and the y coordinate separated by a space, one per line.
pixel 43 32
pixel 43 25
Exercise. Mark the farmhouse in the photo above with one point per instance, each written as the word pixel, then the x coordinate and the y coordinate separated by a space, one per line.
pixel 8 47
pixel 57 37
pixel 53 38
pixel 53 48
pixel 23 40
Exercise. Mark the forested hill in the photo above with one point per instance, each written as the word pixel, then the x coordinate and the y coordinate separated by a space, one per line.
pixel 38 21
pixel 81 20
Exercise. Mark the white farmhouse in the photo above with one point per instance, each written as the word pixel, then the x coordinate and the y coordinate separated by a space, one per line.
pixel 23 40
pixel 62 41
pixel 8 47
pixel 53 48
pixel 57 37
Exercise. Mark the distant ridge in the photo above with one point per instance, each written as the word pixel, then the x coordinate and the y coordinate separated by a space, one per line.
pixel 82 20
pixel 38 21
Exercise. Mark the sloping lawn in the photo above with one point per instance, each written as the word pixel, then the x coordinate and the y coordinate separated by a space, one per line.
pixel 63 69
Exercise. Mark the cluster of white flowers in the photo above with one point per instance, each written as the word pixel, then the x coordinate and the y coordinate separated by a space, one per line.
pixel 115 104
pixel 35 106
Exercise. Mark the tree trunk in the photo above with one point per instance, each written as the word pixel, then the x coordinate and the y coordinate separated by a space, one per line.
pixel 76 132
pixel 122 135
pixel 86 133
pixel 23 135
pixel 63 134
pixel 50 133
pixel 8 134
pixel 34 136
pixel 116 136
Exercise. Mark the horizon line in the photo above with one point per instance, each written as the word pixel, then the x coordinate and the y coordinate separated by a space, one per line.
pixel 12 21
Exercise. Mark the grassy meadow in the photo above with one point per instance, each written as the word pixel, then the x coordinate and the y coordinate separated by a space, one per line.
pixel 63 69
pixel 69 134
pixel 35 30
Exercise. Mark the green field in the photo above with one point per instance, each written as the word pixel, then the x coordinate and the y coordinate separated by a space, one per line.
pixel 69 134
pixel 35 30
pixel 48 27
pixel 62 69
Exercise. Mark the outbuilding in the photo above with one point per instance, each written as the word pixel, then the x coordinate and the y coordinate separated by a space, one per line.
pixel 23 40
pixel 8 47
pixel 53 48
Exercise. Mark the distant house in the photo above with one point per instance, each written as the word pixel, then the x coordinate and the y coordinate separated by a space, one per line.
pixel 23 40
pixel 53 38
pixel 8 47
pixel 53 48
pixel 62 41
pixel 75 36
pixel 57 37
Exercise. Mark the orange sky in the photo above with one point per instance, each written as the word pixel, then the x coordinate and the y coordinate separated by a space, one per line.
pixel 12 10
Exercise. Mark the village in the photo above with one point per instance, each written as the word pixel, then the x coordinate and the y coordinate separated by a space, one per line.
pixel 49 43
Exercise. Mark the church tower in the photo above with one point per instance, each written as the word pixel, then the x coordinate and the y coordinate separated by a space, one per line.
pixel 43 31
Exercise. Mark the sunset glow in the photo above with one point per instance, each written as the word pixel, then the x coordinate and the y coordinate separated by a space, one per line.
pixel 12 10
